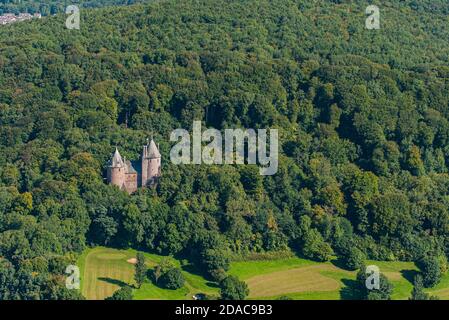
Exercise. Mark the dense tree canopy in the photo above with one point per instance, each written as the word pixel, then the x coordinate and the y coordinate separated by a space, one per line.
pixel 363 119
pixel 55 6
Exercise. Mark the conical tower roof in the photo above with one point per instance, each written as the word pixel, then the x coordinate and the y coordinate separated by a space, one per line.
pixel 153 151
pixel 117 160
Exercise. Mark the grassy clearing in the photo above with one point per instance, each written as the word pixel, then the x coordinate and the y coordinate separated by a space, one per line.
pixel 248 269
pixel 295 278
pixel 301 279
pixel 104 270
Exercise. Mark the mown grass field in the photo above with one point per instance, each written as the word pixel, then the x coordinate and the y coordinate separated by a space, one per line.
pixel 104 270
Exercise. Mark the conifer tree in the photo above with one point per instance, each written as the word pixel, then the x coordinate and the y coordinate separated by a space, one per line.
pixel 140 270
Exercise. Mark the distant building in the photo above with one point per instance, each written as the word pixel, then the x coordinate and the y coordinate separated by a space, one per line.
pixel 129 176
pixel 8 18
pixel 24 16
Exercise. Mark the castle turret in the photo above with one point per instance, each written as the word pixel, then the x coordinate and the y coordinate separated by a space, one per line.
pixel 144 160
pixel 117 170
pixel 151 164
pixel 154 168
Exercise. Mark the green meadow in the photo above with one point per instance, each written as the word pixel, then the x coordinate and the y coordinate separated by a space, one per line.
pixel 105 270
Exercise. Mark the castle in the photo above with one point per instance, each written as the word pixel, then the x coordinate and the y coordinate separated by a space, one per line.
pixel 129 176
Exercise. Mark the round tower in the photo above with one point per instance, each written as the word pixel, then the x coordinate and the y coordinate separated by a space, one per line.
pixel 144 179
pixel 116 170
pixel 154 162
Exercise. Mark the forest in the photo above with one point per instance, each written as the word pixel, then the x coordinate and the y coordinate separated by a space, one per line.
pixel 363 120
pixel 56 6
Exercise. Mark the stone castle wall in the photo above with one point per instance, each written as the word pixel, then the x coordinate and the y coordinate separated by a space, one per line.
pixel 131 182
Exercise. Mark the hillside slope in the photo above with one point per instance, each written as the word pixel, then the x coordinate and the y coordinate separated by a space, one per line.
pixel 362 118
pixel 56 6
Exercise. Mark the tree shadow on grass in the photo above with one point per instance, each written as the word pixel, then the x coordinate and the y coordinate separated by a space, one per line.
pixel 113 281
pixel 192 269
pixel 150 274
pixel 409 275
pixel 339 264
pixel 151 278
pixel 350 290
pixel 212 284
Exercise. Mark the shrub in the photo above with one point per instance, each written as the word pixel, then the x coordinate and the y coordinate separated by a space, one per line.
pixel 315 248
pixel 418 291
pixel 231 288
pixel 431 271
pixel 124 293
pixel 353 258
pixel 172 279
pixel 164 266
pixel 382 293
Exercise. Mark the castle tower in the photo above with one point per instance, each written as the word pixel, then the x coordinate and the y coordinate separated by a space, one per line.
pixel 144 165
pixel 117 170
pixel 151 164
